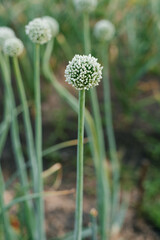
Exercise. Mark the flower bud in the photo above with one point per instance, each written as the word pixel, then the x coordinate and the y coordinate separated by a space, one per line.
pixel 54 26
pixel 85 5
pixel 5 33
pixel 104 30
pixel 39 31
pixel 13 47
pixel 83 72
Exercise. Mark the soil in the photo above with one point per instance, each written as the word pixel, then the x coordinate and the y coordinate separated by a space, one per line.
pixel 59 210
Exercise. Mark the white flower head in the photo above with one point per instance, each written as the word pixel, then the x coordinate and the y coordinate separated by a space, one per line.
pixel 85 5
pixel 104 30
pixel 54 26
pixel 13 47
pixel 5 33
pixel 83 72
pixel 39 31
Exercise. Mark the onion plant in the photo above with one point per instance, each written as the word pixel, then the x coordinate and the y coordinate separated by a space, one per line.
pixel 39 33
pixel 17 145
pixel 5 217
pixel 8 234
pixel 83 72
pixel 13 47
pixel 104 31
pixel 85 7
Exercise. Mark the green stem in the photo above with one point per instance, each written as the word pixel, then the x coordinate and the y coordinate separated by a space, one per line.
pixel 17 144
pixel 27 122
pixel 38 140
pixel 7 227
pixel 79 191
pixel 103 188
pixel 110 133
pixel 6 121
pixel 87 43
pixel 47 55
pixel 5 219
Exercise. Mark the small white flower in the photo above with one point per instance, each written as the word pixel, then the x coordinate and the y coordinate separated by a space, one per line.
pixel 83 72
pixel 39 31
pixel 5 33
pixel 85 5
pixel 53 25
pixel 13 47
pixel 104 30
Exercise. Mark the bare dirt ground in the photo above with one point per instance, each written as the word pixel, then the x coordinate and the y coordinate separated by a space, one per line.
pixel 60 219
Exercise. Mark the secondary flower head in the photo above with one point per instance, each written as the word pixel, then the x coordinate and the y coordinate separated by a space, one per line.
pixel 104 30
pixel 13 47
pixel 39 31
pixel 83 72
pixel 5 33
pixel 85 5
pixel 54 26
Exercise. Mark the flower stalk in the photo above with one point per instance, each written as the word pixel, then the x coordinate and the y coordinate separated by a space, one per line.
pixel 103 181
pixel 38 140
pixel 27 122
pixel 17 145
pixel 79 189
pixel 83 73
pixel 110 132
pixel 5 219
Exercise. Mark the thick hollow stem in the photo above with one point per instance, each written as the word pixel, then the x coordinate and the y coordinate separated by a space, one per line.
pixel 27 122
pixel 3 137
pixel 79 191
pixel 103 182
pixel 38 141
pixel 87 42
pixel 110 132
pixel 17 144
pixel 5 219
pixel 6 123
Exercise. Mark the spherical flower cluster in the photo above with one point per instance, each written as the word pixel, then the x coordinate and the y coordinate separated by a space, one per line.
pixel 83 72
pixel 39 31
pixel 5 33
pixel 54 26
pixel 104 30
pixel 85 5
pixel 13 47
